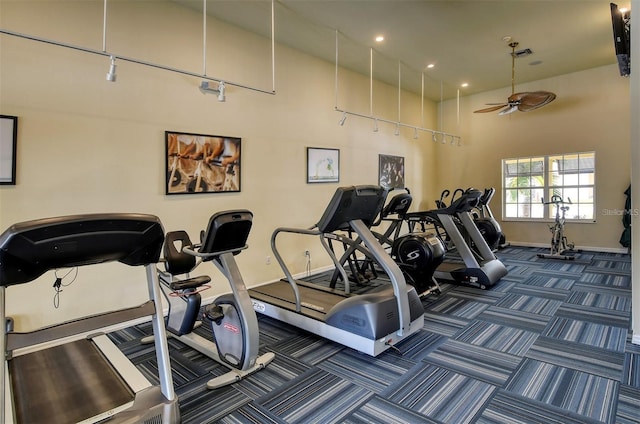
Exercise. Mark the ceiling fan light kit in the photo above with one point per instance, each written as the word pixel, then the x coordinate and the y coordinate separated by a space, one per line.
pixel 525 101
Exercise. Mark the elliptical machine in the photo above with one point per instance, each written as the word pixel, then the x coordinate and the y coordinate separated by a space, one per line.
pixel 486 223
pixel 231 317
pixel 482 217
pixel 560 248
pixel 416 254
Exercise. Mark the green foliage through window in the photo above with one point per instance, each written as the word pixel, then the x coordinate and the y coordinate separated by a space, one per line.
pixel 528 182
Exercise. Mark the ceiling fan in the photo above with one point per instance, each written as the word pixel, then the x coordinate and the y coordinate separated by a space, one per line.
pixel 525 101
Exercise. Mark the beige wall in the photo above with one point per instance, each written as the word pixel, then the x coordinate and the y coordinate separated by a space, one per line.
pixel 87 145
pixel 591 113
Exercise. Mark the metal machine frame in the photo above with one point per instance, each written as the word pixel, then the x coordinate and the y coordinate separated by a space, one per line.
pixel 302 312
pixel 30 249
pixel 479 267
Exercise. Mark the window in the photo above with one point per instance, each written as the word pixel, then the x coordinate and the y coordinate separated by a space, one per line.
pixel 529 181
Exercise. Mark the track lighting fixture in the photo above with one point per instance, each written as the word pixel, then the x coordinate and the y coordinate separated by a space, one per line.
pixel 220 91
pixel 111 75
pixel 436 135
pixel 344 118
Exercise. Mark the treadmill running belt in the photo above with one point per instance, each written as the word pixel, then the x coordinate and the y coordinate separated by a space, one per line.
pixel 65 384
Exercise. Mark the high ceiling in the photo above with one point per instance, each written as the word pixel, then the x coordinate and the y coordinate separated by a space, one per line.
pixel 463 38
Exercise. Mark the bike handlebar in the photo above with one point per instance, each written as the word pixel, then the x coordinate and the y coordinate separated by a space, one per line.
pixel 557 200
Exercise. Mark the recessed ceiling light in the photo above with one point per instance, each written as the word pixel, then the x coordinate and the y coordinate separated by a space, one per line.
pixel 431 65
pixel 379 38
pixel 535 62
pixel 464 84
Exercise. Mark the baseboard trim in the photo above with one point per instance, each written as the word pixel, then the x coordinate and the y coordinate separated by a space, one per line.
pixel 587 248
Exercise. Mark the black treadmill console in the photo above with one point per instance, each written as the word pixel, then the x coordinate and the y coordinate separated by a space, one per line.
pixel 29 249
pixel 352 203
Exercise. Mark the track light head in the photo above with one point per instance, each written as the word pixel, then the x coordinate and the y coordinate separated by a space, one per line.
pixel 375 125
pixel 344 118
pixel 111 75
pixel 220 91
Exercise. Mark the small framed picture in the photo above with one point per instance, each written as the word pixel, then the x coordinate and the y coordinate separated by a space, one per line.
pixel 199 163
pixel 323 165
pixel 391 171
pixel 8 144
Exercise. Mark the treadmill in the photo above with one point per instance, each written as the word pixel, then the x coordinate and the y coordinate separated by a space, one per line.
pixel 370 323
pixel 54 374
pixel 476 268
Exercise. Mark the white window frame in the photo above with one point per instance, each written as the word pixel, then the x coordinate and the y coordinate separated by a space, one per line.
pixel 528 196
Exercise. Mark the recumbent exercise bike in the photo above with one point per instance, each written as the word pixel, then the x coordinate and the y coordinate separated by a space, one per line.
pixel 233 321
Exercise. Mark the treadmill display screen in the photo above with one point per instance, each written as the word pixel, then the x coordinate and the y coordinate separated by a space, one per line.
pixel 352 203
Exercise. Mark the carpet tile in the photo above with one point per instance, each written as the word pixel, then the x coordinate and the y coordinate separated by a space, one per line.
pixel 474 361
pixel 599 299
pixel 441 394
pixel 497 337
pixel 507 408
pixel 628 405
pixel 587 333
pixel 605 363
pixel 551 293
pixel 443 324
pixel 517 319
pixel 576 391
pixel 305 399
pixel 374 374
pixel 531 304
pixel 550 343
pixel 381 411
pixel 608 279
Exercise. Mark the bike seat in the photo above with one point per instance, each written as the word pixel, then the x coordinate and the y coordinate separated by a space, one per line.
pixel 190 283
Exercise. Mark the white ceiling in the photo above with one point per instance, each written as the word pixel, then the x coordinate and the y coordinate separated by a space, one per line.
pixel 463 38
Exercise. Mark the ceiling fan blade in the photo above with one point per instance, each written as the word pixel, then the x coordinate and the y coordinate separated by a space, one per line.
pixel 491 109
pixel 509 109
pixel 517 97
pixel 527 108
pixel 536 99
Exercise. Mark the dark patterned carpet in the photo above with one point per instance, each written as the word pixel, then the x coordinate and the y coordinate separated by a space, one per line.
pixel 550 343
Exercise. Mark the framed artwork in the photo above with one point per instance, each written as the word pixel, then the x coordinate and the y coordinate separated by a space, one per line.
pixel 199 163
pixel 323 165
pixel 391 171
pixel 8 144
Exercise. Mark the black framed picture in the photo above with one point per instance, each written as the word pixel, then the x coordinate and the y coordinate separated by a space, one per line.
pixel 199 163
pixel 323 165
pixel 8 146
pixel 391 171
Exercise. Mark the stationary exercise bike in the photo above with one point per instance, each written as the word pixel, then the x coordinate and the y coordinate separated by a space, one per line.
pixel 560 248
pixel 231 316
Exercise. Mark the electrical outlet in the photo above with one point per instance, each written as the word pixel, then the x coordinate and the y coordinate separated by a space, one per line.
pixel 268 260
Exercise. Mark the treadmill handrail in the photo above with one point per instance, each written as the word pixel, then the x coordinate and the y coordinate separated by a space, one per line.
pixel 392 269
pixel 284 267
